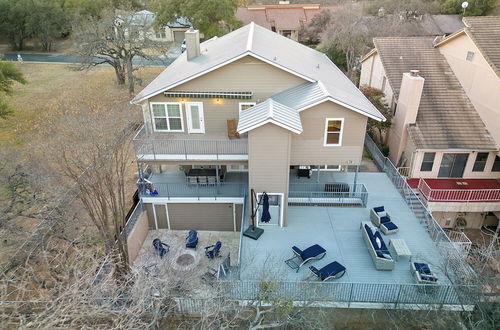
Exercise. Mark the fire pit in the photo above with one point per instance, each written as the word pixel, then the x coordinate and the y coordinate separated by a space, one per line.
pixel 185 260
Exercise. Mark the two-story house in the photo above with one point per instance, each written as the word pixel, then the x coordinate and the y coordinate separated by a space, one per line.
pixel 241 112
pixel 444 132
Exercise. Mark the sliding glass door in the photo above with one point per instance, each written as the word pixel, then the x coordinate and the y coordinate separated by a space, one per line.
pixel 453 165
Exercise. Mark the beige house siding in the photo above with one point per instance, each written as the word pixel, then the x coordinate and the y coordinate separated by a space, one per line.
pixel 448 219
pixel 201 216
pixel 372 74
pixel 308 148
pixel 468 173
pixel 478 79
pixel 269 161
pixel 246 74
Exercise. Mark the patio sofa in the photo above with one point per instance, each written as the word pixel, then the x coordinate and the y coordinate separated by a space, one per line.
pixel 382 219
pixel 381 256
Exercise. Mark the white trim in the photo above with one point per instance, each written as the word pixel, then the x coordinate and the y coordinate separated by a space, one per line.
pixel 154 216
pixel 166 116
pixel 245 103
pixel 331 99
pixel 325 169
pixel 191 157
pixel 280 224
pixel 206 200
pixel 340 134
pixel 189 118
pixel 168 217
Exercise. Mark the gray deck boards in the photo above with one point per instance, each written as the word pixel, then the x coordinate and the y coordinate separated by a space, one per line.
pixel 337 230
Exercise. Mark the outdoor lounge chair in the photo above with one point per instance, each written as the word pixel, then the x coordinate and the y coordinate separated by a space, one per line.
pixel 332 270
pixel 160 247
pixel 422 273
pixel 314 252
pixel 192 239
pixel 382 219
pixel 212 251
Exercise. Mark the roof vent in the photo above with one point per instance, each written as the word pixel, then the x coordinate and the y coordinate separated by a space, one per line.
pixel 415 73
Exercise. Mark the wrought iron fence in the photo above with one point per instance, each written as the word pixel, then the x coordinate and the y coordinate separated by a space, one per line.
pixel 453 256
pixel 154 147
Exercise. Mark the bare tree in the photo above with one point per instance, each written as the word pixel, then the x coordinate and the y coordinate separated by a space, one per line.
pixel 90 144
pixel 116 39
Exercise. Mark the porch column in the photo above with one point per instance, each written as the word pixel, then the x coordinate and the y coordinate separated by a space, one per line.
pixel 355 178
pixel 217 177
pixel 317 175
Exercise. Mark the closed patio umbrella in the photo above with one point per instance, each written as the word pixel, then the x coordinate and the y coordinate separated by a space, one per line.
pixel 266 216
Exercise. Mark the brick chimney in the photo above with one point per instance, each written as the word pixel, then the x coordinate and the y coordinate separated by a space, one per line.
pixel 412 85
pixel 192 43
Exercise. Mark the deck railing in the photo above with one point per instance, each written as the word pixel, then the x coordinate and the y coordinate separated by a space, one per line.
pixel 152 147
pixel 170 190
pixel 339 292
pixel 453 256
pixel 457 195
pixel 461 240
pixel 404 171
pixel 328 193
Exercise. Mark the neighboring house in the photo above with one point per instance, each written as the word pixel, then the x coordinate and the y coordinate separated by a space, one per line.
pixel 440 138
pixel 243 112
pixel 172 31
pixel 284 18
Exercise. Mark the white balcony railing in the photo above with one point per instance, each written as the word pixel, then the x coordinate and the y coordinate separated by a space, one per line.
pixel 458 195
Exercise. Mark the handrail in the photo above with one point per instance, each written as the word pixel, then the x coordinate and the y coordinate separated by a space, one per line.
pixel 171 190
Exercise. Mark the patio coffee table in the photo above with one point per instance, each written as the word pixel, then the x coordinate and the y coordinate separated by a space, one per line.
pixel 398 248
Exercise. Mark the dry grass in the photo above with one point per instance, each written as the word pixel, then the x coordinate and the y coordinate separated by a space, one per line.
pixel 49 84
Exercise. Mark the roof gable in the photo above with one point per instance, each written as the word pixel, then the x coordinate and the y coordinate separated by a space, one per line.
pixel 267 112
pixel 272 48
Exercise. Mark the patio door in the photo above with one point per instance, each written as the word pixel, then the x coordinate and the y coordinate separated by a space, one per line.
pixel 196 123
pixel 452 165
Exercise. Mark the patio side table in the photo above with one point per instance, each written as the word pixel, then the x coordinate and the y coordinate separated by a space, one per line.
pixel 398 248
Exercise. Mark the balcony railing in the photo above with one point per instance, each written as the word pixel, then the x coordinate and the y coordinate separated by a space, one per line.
pixel 172 190
pixel 458 195
pixel 404 171
pixel 153 147
pixel 327 193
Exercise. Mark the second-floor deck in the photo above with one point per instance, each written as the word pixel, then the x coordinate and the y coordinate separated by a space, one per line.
pixel 160 146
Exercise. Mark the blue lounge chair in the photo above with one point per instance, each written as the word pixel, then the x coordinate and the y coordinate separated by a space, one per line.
pixel 192 239
pixel 314 252
pixel 212 251
pixel 160 247
pixel 332 270
pixel 422 273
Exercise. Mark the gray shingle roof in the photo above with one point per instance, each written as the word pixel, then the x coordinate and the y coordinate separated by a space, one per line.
pixel 270 111
pixel 446 118
pixel 485 32
pixel 268 46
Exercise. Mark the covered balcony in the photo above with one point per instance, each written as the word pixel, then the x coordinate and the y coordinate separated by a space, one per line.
pixel 161 146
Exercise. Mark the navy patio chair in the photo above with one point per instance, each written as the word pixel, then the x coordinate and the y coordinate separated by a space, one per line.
pixel 332 270
pixel 192 239
pixel 212 251
pixel 314 252
pixel 160 247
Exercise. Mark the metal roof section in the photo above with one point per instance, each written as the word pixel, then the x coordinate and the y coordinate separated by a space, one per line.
pixel 272 112
pixel 272 48
pixel 301 96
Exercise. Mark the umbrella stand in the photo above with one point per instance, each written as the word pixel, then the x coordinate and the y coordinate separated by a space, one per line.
pixel 253 231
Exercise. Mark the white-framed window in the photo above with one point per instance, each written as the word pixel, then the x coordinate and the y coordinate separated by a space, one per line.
pixel 245 105
pixel 470 56
pixel 167 116
pixel 333 132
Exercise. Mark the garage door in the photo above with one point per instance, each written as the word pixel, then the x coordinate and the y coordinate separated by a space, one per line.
pixel 178 36
pixel 201 216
